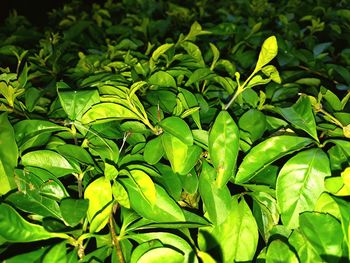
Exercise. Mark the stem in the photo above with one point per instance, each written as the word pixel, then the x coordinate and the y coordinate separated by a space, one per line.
pixel 239 90
pixel 333 119
pixel 115 239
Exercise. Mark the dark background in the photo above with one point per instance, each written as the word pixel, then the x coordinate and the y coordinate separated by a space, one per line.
pixel 35 10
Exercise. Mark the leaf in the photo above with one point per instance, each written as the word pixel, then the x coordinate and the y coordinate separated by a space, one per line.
pixel 301 116
pixel 73 210
pixel 76 102
pixel 199 75
pixel 300 183
pixel 143 248
pixel 271 72
pixel 164 209
pixel 99 194
pixel 153 151
pixel 217 201
pixel 120 194
pixel 76 153
pixel 279 251
pixel 57 253
pixel 305 252
pixel 161 254
pixel 48 160
pixel 223 147
pixel 107 111
pixel 326 240
pixel 273 148
pixel 33 202
pixel 178 128
pixel 145 185
pixel 237 236
pixel 268 51
pixel 8 155
pixel 162 79
pixel 254 122
pixel 13 228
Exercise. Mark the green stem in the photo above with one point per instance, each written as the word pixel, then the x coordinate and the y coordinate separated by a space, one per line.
pixel 239 90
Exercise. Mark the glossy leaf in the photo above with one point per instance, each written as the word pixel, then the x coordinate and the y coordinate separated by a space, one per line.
pixel 13 228
pixel 145 185
pixel 153 151
pixel 48 160
pixel 161 254
pixel 120 195
pixel 301 116
pixel 107 111
pixel 178 128
pixel 274 148
pixel 323 239
pixel 217 201
pixel 8 155
pixel 164 209
pixel 56 253
pixel 73 210
pixel 99 194
pixel 76 102
pixel 253 122
pixel 162 79
pixel 223 147
pixel 279 251
pixel 300 183
pixel 268 51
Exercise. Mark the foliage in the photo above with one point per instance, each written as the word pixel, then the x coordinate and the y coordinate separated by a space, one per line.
pixel 162 131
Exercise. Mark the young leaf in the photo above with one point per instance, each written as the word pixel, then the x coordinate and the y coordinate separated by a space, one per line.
pixel 223 147
pixel 8 155
pixel 300 183
pixel 153 151
pixel 273 149
pixel 145 185
pixel 120 194
pixel 268 51
pixel 301 116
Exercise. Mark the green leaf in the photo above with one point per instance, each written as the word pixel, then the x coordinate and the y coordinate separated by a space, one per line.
pixel 13 228
pixel 273 148
pixel 120 194
pixel 33 202
pixel 153 151
pixel 268 51
pixel 326 240
pixel 161 254
pixel 200 75
pixel 279 252
pixel 271 72
pixel 254 122
pixel 162 79
pixel 145 185
pixel 143 248
pixel 107 111
pixel 76 153
pixel 99 194
pixel 237 236
pixel 57 253
pixel 302 246
pixel 181 157
pixel 178 128
pixel 301 116
pixel 8 155
pixel 73 210
pixel 48 160
pixel 76 102
pixel 223 147
pixel 300 183
pixel 217 201
pixel 164 209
